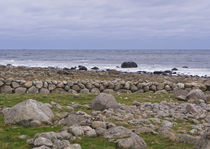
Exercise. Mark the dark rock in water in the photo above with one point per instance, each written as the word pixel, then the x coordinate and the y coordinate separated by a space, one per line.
pixel 168 72
pixel 82 68
pixel 9 65
pixel 66 68
pixel 73 68
pixel 143 72
pixel 174 69
pixel 158 72
pixel 53 68
pixel 185 67
pixel 95 68
pixel 129 65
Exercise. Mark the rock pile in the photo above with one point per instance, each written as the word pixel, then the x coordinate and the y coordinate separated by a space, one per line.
pixel 53 86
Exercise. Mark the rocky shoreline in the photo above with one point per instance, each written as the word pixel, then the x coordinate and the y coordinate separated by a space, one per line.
pixel 184 118
pixel 45 80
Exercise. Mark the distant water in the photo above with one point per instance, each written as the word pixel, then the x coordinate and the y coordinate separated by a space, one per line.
pixel 198 61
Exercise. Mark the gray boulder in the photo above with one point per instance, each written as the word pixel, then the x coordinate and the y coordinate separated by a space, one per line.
pixel 204 142
pixel 42 141
pixel 20 90
pixel 44 91
pixel 28 111
pixel 41 147
pixel 104 101
pixel 6 89
pixel 125 138
pixel 195 95
pixel 180 94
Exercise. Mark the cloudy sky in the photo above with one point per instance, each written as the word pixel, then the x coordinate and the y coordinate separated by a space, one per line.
pixel 112 24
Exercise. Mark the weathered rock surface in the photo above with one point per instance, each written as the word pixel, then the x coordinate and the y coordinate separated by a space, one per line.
pixel 125 138
pixel 195 95
pixel 27 111
pixel 204 142
pixel 104 101
pixel 180 94
pixel 129 65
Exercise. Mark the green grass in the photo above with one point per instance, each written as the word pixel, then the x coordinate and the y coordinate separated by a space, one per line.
pixel 159 142
pixel 9 133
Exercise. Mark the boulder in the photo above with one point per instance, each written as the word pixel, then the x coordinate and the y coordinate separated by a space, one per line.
pixel 125 138
pixel 95 68
pixel 76 130
pixel 129 65
pixel 204 141
pixel 20 90
pixel 82 68
pixel 6 89
pixel 104 101
pixel 42 141
pixel 33 90
pixel 195 95
pixel 44 91
pixel 28 111
pixel 95 91
pixel 180 94
pixel 84 91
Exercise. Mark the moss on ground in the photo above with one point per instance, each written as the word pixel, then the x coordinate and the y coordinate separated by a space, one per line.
pixel 9 134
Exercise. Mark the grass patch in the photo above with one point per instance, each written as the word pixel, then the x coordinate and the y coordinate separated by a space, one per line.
pixel 159 142
pixel 95 143
pixel 128 99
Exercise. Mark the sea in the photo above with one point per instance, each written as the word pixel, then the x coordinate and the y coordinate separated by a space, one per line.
pixel 196 61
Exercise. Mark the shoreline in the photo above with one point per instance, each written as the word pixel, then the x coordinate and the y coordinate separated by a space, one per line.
pixel 53 80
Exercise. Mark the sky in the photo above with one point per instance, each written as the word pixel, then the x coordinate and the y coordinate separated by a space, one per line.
pixel 105 24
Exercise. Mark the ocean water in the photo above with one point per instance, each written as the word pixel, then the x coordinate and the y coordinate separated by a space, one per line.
pixel 197 61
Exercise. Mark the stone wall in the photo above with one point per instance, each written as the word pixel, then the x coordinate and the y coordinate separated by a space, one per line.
pixel 52 86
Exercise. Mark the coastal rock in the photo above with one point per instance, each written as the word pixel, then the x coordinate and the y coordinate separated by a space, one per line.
pixel 129 65
pixel 44 91
pixel 27 111
pixel 28 84
pixel 6 89
pixel 20 90
pixel 104 101
pixel 204 141
pixel 84 91
pixel 41 147
pixel 15 84
pixel 33 90
pixel 42 141
pixel 95 91
pixel 95 68
pixel 195 95
pixel 180 94
pixel 76 130
pixel 82 68
pixel 1 83
pixel 125 138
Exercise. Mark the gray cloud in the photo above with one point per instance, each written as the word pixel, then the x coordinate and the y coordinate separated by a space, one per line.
pixel 127 19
